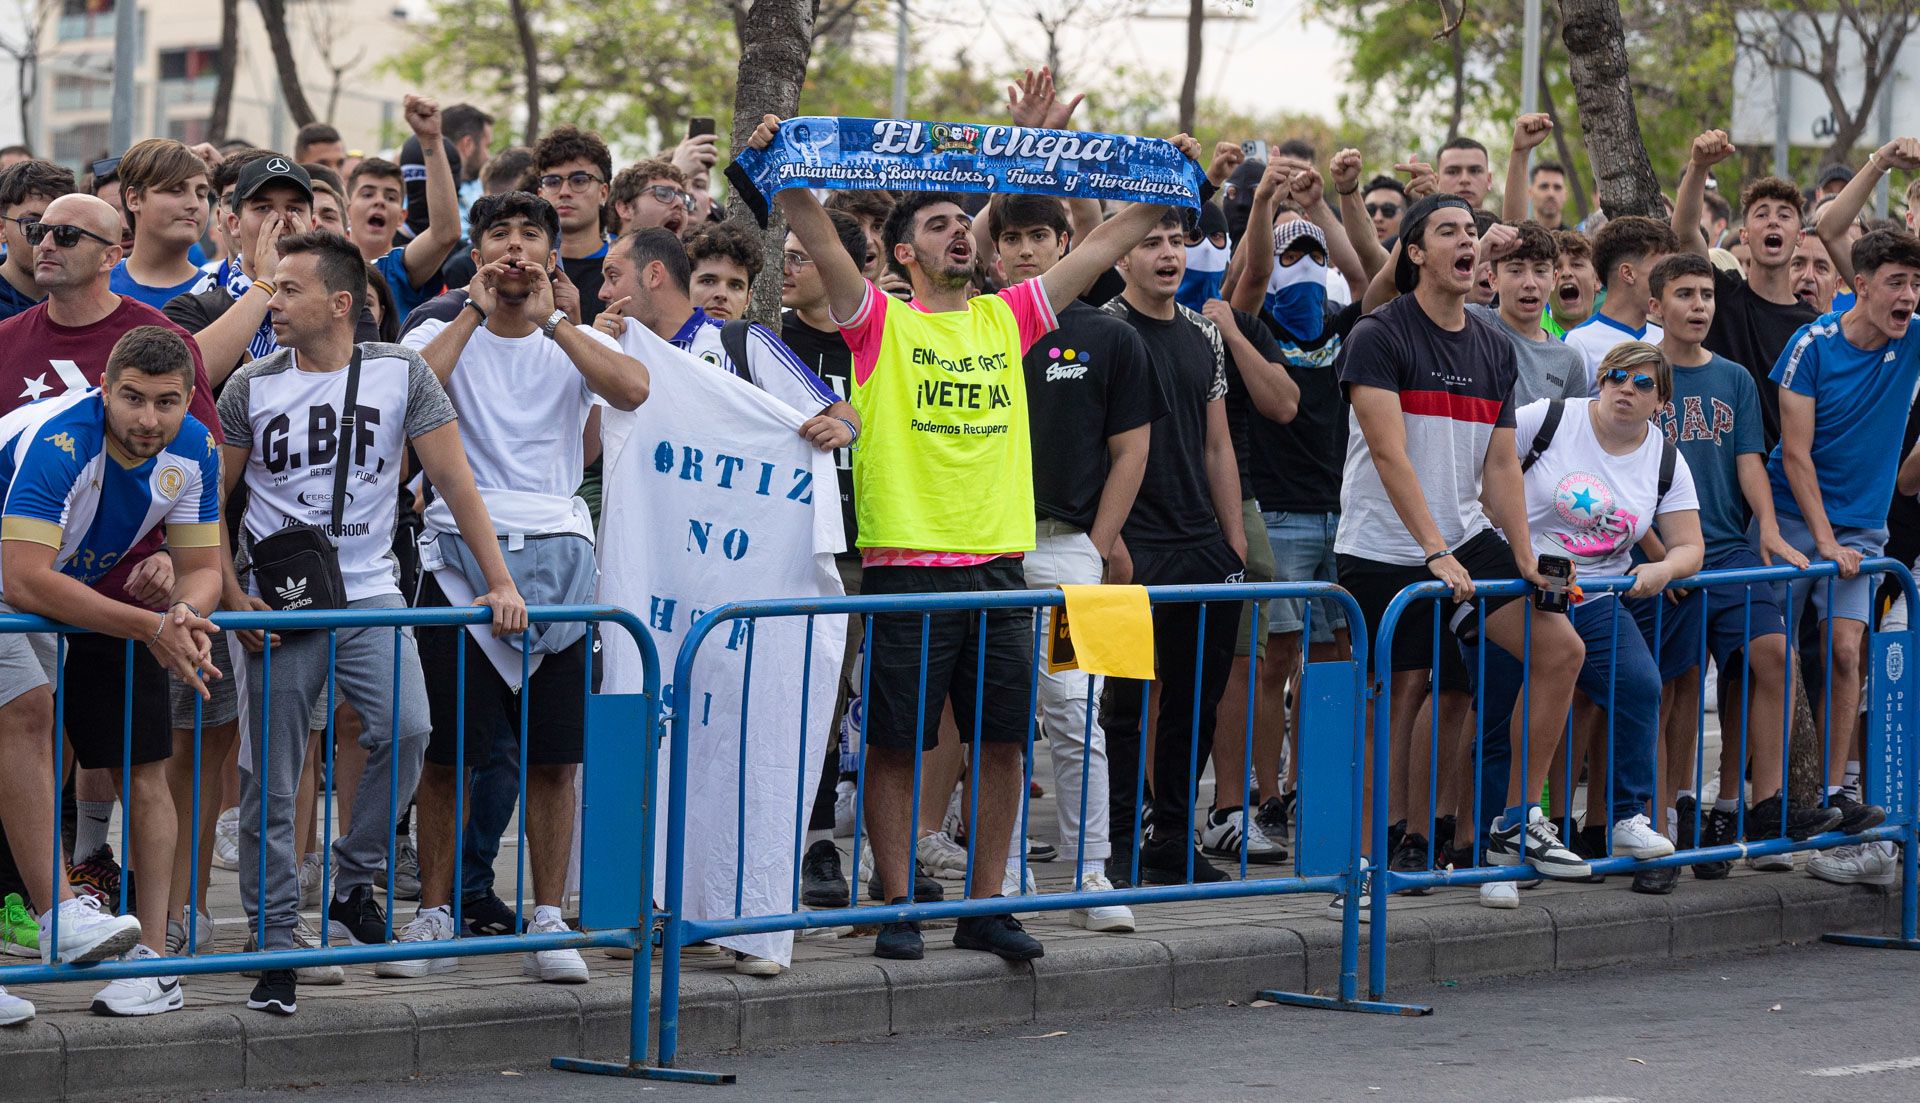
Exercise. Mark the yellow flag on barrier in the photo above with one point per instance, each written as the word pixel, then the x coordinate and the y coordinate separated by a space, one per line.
pixel 1110 629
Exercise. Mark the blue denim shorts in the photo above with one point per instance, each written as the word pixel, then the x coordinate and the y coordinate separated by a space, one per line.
pixel 1303 552
pixel 1842 598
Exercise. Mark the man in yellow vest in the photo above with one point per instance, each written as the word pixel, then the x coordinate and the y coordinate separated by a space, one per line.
pixel 943 483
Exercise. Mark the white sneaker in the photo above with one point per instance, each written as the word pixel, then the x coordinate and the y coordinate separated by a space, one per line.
pixel 1856 864
pixel 87 933
pixel 1773 863
pixel 749 966
pixel 1220 838
pixel 1538 845
pixel 1499 894
pixel 954 823
pixel 13 1009
pixel 226 840
pixel 310 881
pixel 140 995
pixel 556 966
pixel 1635 835
pixel 1107 917
pixel 943 857
pixel 429 925
pixel 177 934
pixel 843 794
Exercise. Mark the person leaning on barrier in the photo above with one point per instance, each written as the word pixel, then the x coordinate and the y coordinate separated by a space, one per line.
pixel 1714 418
pixel 1431 388
pixel 1597 478
pixel 918 538
pixel 282 415
pixel 524 379
pixel 88 476
pixel 1846 383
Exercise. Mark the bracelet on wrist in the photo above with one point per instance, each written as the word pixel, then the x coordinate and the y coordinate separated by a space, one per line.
pixel 1441 554
pixel 1347 191
pixel 266 285
pixel 851 428
pixel 477 310
pixel 189 606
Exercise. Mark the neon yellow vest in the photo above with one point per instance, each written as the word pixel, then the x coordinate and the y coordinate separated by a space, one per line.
pixel 944 461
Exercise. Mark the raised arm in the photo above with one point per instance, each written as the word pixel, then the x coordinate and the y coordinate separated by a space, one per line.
pixel 1709 149
pixel 429 248
pixel 610 373
pixel 1034 101
pixel 1307 191
pixel 223 342
pixel 846 287
pixel 1528 132
pixel 1247 288
pixel 1355 224
pixel 1901 153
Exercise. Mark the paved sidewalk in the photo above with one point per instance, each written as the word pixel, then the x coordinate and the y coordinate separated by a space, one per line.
pixel 486 1015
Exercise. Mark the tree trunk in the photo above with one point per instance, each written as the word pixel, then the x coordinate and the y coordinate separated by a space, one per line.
pixel 1806 754
pixel 776 41
pixel 1190 84
pixel 1459 82
pixel 1597 61
pixel 530 64
pixel 274 14
pixel 229 69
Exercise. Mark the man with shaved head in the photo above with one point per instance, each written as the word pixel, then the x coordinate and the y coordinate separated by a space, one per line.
pixel 57 348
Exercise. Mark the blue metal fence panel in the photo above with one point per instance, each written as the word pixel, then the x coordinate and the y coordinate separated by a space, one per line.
pixel 1328 762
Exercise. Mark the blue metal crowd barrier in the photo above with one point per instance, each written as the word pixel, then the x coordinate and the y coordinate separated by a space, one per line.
pixel 1330 787
pixel 1888 751
pixel 616 809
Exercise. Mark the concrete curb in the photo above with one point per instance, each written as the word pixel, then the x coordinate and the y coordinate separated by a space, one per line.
pixel 422 1032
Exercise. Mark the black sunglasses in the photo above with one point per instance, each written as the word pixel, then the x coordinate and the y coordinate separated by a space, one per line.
pixel 1641 380
pixel 1384 210
pixel 66 237
pixel 103 170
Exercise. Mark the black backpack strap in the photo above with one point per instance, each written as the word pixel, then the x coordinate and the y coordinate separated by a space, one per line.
pixel 733 340
pixel 1669 456
pixel 348 437
pixel 1543 439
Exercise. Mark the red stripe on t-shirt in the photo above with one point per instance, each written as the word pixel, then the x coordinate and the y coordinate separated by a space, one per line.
pixel 1459 407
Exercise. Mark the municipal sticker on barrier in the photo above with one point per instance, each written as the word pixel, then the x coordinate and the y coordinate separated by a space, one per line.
pixel 1111 629
pixel 1888 762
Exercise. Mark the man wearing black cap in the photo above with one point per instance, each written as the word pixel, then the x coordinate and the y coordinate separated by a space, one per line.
pixel 1432 394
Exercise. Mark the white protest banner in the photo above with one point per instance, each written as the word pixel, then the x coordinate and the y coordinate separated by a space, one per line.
pixel 710 495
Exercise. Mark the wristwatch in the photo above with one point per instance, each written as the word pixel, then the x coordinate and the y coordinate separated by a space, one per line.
pixel 553 322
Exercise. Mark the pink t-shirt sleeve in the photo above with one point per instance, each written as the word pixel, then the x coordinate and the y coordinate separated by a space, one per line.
pixel 1031 310
pixel 862 331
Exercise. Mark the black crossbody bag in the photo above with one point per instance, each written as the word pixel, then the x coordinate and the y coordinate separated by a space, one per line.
pixel 299 566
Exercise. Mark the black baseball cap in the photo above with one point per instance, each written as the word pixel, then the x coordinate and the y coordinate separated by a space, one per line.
pixel 1404 272
pixel 276 169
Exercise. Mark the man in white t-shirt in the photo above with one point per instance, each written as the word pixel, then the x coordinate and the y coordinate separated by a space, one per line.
pixel 1624 254
pixel 283 419
pixel 648 279
pixel 523 379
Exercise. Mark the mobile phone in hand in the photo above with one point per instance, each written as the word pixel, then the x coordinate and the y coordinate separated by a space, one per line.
pixel 700 124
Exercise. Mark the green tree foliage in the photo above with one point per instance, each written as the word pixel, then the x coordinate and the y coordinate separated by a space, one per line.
pixel 1405 80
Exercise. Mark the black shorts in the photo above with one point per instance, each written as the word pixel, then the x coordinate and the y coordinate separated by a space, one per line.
pixel 1374 585
pixel 953 653
pixel 93 707
pixel 556 702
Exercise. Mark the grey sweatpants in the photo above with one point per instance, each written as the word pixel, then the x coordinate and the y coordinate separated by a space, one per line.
pixel 364 677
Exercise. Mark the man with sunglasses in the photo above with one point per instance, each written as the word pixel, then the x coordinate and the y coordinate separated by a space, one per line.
pixel 25 190
pixel 61 347
pixel 1386 201
pixel 571 167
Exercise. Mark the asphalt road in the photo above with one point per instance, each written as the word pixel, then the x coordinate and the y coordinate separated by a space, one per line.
pixel 1800 1024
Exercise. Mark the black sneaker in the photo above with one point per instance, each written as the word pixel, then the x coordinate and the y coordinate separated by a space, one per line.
pixel 1855 817
pixel 1717 828
pixel 1410 857
pixel 925 889
pixel 487 914
pixel 1120 869
pixel 1803 823
pixel 1166 864
pixel 1536 844
pixel 899 941
pixel 822 882
pixel 1395 833
pixel 273 993
pixel 997 934
pixel 1275 817
pixel 1656 882
pixel 1590 843
pixel 1443 830
pixel 357 919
